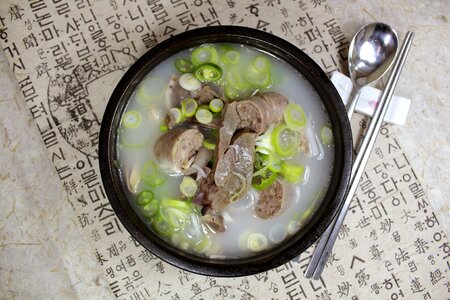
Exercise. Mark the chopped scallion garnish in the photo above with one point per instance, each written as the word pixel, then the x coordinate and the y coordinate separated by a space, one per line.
pixel 257 242
pixel 189 82
pixel 204 116
pixel 285 141
pixel 204 54
pixel 188 186
pixel 326 135
pixel 184 65
pixel 294 116
pixel 131 119
pixel 216 105
pixel 208 73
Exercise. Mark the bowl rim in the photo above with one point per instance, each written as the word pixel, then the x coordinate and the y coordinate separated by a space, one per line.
pixel 289 249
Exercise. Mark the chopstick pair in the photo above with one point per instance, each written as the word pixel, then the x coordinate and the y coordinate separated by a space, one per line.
pixel 328 238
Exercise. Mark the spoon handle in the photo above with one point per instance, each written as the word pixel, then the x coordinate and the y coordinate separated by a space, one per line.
pixel 327 240
pixel 353 100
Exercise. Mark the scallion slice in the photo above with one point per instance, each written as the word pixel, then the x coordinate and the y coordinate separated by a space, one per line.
pixel 216 105
pixel 152 175
pixel 189 82
pixel 204 54
pixel 188 186
pixel 203 116
pixel 131 119
pixel 190 107
pixel 208 73
pixel 293 226
pixel 150 209
pixel 294 116
pixel 293 173
pixel 263 183
pixel 175 115
pixel 209 144
pixel 145 197
pixel 257 242
pixel 285 141
pixel 326 135
pixel 161 226
pixel 184 65
pixel 175 212
pixel 230 57
pixel 151 88
pixel 258 72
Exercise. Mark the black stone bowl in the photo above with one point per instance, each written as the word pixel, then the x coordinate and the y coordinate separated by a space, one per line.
pixel 289 248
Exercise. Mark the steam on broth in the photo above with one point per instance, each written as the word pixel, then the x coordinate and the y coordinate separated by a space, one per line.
pixel 225 151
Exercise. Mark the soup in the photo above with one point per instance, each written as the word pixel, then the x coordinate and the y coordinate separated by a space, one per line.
pixel 225 151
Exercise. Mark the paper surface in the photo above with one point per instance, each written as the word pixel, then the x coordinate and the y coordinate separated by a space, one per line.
pixel 67 58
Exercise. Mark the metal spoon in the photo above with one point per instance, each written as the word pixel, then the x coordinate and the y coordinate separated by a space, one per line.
pixel 371 54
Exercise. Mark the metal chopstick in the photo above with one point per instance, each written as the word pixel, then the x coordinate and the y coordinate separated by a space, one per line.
pixel 328 239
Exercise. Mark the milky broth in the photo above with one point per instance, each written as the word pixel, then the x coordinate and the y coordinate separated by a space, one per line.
pixel 135 147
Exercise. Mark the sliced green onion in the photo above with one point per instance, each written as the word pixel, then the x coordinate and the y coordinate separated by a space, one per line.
pixel 326 135
pixel 203 115
pixel 163 128
pixel 265 159
pixel 294 116
pixel 190 107
pixel 175 212
pixel 179 204
pixel 189 82
pixel 131 119
pixel 188 186
pixel 152 175
pixel 208 73
pixel 293 226
pixel 173 216
pixel 236 80
pixel 203 246
pixel 204 54
pixel 292 173
pixel 184 65
pixel 145 197
pixel 275 164
pixel 230 92
pixel 307 214
pixel 150 209
pixel 180 241
pixel 216 105
pixel 175 115
pixel 285 141
pixel 257 242
pixel 230 57
pixel 128 138
pixel 209 145
pixel 151 88
pixel 258 72
pixel 265 182
pixel 161 226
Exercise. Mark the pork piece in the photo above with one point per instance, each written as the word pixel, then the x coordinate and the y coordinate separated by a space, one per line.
pixel 235 175
pixel 271 201
pixel 234 171
pixel 259 112
pixel 255 114
pixel 230 123
pixel 199 165
pixel 175 93
pixel 215 222
pixel 206 94
pixel 176 149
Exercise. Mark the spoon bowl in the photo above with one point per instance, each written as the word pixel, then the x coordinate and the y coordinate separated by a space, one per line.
pixel 371 53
